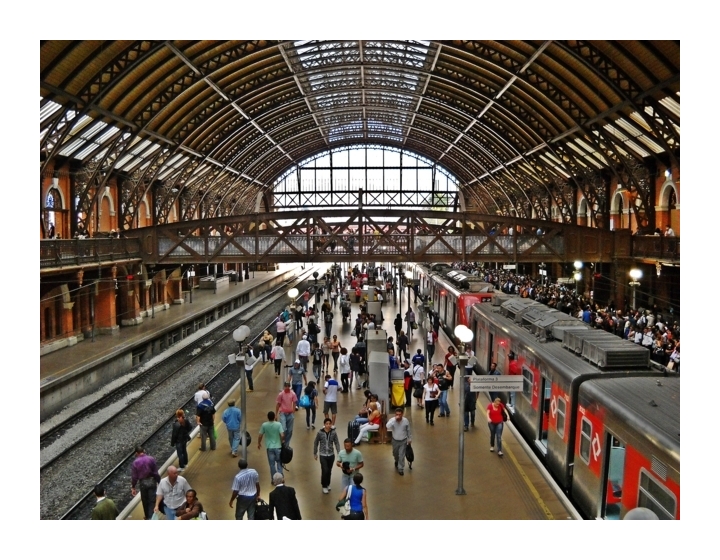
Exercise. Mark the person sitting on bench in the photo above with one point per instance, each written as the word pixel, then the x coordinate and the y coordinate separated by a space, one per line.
pixel 373 423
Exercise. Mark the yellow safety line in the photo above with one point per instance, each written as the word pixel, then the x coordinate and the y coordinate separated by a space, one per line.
pixel 530 485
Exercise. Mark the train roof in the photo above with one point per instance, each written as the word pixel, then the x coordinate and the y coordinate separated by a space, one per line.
pixel 592 352
pixel 652 405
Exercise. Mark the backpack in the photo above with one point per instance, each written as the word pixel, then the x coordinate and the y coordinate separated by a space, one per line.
pixel 286 454
pixel 304 401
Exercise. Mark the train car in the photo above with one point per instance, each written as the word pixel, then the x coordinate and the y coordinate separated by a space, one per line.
pixel 628 447
pixel 452 292
pixel 556 354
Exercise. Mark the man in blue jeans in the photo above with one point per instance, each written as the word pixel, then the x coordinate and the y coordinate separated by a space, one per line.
pixel 274 437
pixel 232 419
pixel 246 489
pixel 285 407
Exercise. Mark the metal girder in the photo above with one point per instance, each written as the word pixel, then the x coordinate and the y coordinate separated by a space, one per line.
pixel 487 110
pixel 371 234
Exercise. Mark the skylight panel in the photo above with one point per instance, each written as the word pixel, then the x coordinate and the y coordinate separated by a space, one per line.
pixel 49 109
pixel 82 123
pixel 71 147
pixel 638 149
pixel 671 105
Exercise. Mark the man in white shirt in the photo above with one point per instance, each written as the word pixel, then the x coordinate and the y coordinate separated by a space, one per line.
pixel 669 232
pixel 303 351
pixel 171 491
pixel 330 391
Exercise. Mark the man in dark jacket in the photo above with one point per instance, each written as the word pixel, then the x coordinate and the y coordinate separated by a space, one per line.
pixel 105 508
pixel 283 501
pixel 325 439
pixel 205 418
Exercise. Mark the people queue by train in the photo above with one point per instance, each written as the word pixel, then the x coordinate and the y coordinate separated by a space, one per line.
pixel 652 328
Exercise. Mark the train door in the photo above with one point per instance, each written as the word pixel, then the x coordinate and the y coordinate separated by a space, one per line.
pixel 612 478
pixel 451 313
pixel 490 353
pixel 546 392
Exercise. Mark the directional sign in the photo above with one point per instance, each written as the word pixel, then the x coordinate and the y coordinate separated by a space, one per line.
pixel 496 383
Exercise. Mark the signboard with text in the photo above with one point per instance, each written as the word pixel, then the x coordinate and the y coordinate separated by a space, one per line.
pixel 496 383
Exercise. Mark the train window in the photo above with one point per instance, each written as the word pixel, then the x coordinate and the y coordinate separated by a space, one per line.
pixel 528 379
pixel 585 440
pixel 655 497
pixel 560 427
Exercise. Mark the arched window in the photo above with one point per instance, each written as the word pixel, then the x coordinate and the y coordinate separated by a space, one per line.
pixel 388 177
pixel 53 204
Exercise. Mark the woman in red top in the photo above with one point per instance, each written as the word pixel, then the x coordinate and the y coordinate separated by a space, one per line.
pixel 451 357
pixel 496 416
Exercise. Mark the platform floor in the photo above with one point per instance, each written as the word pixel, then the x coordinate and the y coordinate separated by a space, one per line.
pixel 496 488
pixel 87 353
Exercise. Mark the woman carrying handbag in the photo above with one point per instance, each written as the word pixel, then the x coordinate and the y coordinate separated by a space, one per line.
pixel 353 501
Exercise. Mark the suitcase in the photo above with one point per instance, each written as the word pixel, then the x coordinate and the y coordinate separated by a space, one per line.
pixel 353 429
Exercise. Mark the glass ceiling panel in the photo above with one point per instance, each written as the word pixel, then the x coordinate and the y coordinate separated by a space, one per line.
pixel 49 109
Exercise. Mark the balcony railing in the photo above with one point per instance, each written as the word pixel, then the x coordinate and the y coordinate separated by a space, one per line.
pixel 73 252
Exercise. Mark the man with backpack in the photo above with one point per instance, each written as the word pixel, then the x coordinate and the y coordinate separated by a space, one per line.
pixel 328 317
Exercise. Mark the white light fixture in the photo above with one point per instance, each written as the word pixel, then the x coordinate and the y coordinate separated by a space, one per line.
pixel 577 276
pixel 463 333
pixel 578 265
pixel 293 293
pixel 408 274
pixel 667 173
pixel 636 274
pixel 241 333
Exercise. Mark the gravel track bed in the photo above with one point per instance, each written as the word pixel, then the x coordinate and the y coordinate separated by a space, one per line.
pixel 66 481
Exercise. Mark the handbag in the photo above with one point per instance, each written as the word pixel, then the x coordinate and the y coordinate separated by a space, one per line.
pixel 504 414
pixel 262 511
pixel 343 506
pixel 418 393
pixel 272 355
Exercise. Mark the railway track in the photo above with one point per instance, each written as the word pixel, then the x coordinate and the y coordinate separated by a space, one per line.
pixel 132 408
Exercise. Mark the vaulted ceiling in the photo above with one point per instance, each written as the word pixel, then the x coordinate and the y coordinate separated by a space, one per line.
pixel 521 124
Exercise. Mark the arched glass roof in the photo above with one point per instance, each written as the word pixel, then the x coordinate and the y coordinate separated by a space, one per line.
pixel 211 125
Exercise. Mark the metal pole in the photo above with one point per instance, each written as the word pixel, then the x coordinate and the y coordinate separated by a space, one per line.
pixel 243 403
pixel 92 312
pixel 152 299
pixel 462 360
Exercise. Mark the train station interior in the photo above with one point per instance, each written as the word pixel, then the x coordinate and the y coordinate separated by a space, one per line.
pixel 182 181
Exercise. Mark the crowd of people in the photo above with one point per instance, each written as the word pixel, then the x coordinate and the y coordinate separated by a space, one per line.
pixel 653 328
pixel 319 368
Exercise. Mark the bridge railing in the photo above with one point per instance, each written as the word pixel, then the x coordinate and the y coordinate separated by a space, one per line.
pixel 656 246
pixel 72 252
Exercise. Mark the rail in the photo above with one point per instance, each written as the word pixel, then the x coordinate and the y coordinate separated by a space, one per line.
pixel 55 253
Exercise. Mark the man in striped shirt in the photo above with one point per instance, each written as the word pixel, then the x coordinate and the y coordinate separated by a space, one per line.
pixel 246 489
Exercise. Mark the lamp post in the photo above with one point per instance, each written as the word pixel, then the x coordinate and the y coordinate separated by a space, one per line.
pixel 191 280
pixel 635 274
pixel 400 276
pixel 577 275
pixel 465 335
pixel 240 334
pixel 408 283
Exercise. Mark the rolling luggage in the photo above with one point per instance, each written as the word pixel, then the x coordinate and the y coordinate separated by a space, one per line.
pixel 353 430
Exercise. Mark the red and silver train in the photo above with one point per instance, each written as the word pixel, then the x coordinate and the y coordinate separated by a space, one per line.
pixel 605 422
